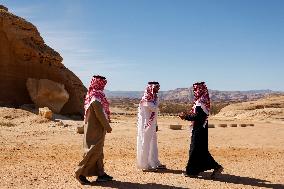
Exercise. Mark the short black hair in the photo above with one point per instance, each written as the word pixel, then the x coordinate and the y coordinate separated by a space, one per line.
pixel 99 76
pixel 153 82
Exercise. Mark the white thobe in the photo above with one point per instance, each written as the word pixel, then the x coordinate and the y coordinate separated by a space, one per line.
pixel 147 148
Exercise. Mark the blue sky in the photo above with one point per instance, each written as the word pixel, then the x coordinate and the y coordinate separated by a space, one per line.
pixel 230 44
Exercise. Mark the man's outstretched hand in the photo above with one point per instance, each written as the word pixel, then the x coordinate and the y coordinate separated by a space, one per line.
pixel 182 115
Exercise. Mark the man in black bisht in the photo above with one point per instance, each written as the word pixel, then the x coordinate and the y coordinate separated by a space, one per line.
pixel 200 158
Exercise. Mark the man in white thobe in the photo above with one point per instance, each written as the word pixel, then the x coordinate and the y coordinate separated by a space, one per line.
pixel 147 148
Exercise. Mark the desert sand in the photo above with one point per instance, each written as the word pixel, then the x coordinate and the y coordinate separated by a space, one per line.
pixel 38 153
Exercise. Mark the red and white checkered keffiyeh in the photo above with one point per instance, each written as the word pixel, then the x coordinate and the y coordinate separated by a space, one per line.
pixel 149 94
pixel 201 97
pixel 96 92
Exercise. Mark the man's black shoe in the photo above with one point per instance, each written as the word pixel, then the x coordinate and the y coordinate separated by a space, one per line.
pixel 83 180
pixel 189 175
pixel 104 178
pixel 108 176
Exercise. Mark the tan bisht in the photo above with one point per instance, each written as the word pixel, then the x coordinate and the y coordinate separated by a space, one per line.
pixel 94 137
pixel 97 118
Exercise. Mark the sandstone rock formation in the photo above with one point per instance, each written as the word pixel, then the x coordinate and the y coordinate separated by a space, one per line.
pixel 45 113
pixel 269 108
pixel 3 7
pixel 23 55
pixel 46 93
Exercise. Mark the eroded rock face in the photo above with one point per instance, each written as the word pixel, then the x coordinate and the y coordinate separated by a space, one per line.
pixel 46 93
pixel 23 55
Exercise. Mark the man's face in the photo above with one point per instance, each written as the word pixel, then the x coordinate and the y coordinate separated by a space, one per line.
pixel 156 88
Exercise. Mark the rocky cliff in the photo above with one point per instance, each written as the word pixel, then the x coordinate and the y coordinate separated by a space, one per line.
pixel 23 55
pixel 186 95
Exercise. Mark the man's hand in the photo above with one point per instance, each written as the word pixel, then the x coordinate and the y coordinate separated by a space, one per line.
pixel 182 115
pixel 109 129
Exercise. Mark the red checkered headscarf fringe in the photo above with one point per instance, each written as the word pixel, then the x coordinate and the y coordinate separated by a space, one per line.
pixel 96 92
pixel 201 96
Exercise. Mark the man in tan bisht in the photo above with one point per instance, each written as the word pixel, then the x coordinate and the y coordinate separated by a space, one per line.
pixel 97 117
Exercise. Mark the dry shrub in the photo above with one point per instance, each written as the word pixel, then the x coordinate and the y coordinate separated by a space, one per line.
pixel 217 106
pixel 173 107
pixel 166 106
pixel 127 104
pixel 7 124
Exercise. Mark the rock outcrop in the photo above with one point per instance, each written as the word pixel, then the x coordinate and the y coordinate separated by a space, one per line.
pixel 23 55
pixel 268 108
pixel 46 93
pixel 45 113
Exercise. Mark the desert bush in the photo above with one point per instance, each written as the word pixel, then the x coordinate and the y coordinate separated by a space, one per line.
pixel 259 107
pixel 166 107
pixel 217 106
pixel 124 103
pixel 173 108
pixel 7 124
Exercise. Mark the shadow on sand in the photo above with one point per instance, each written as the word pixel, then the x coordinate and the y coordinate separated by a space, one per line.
pixel 226 178
pixel 128 185
pixel 241 180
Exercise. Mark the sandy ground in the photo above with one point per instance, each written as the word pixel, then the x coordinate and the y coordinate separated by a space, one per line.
pixel 36 153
